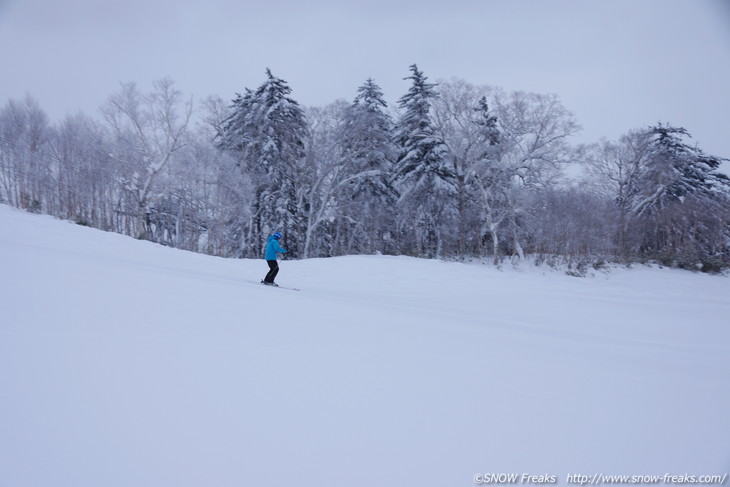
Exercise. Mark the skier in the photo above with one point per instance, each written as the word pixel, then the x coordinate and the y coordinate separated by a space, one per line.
pixel 272 247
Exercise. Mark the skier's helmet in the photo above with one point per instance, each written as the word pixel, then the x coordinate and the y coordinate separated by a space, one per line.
pixel 277 235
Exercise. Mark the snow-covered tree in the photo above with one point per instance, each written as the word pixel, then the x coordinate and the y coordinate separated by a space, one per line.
pixel 86 178
pixel 146 130
pixel 674 170
pixel 422 175
pixel 24 166
pixel 267 128
pixel 533 147
pixel 672 201
pixel 366 196
pixel 325 174
pixel 469 130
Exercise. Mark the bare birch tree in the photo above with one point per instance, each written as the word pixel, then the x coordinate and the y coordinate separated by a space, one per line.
pixel 147 130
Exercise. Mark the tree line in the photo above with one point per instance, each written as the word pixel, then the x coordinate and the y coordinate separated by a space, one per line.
pixel 455 170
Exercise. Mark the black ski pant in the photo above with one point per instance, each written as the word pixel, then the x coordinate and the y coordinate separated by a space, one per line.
pixel 273 271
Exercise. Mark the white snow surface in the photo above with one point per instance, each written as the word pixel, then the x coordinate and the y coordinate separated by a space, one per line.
pixel 125 363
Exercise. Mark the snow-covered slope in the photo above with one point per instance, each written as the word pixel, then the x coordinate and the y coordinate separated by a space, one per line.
pixel 124 363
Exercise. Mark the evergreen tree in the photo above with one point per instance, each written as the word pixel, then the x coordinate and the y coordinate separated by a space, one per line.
pixel 486 122
pixel 367 197
pixel 422 175
pixel 675 170
pixel 673 203
pixel 678 200
pixel 268 128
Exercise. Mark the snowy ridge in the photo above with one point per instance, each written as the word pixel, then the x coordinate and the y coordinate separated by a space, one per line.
pixel 127 363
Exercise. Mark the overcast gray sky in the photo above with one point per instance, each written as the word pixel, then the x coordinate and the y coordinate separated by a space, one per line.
pixel 617 64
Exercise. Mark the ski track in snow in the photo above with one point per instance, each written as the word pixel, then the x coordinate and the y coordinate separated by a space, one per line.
pixel 127 363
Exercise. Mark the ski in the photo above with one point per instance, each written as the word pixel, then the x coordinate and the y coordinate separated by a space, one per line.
pixel 288 288
pixel 281 287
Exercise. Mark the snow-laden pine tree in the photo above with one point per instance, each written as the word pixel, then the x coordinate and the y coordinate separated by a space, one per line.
pixel 675 170
pixel 268 128
pixel 422 175
pixel 673 203
pixel 678 204
pixel 366 196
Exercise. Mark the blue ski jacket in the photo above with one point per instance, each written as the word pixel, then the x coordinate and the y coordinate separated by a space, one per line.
pixel 272 247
